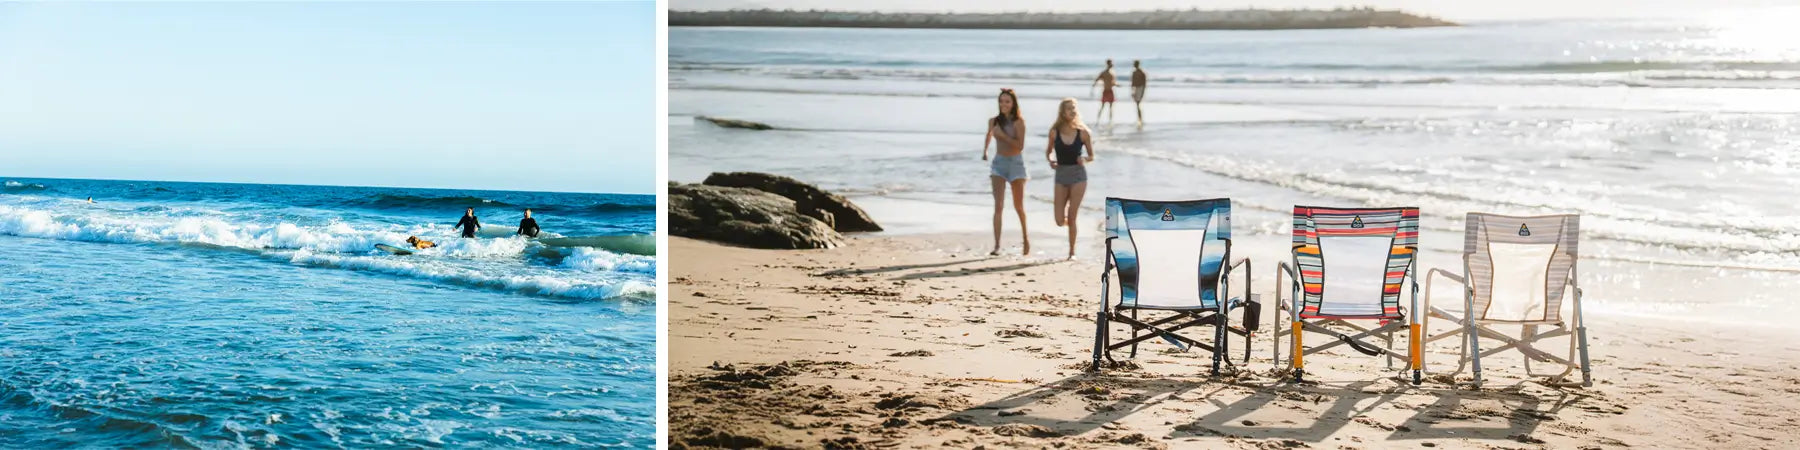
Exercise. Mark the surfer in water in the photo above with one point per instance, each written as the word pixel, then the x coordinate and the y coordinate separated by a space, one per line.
pixel 420 244
pixel 528 226
pixel 469 224
pixel 90 199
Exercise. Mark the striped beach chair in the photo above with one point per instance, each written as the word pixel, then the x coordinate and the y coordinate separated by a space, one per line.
pixel 1170 261
pixel 1351 264
pixel 1519 271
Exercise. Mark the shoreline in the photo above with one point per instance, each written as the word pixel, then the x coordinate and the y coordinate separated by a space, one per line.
pixel 923 341
pixel 1239 19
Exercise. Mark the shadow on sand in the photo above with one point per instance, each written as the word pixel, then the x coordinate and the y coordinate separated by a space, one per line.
pixel 1082 403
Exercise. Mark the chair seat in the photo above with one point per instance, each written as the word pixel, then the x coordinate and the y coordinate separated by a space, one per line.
pixel 1123 305
pixel 1557 322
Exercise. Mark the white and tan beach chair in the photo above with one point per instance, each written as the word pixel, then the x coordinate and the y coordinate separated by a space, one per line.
pixel 1169 257
pixel 1352 264
pixel 1519 271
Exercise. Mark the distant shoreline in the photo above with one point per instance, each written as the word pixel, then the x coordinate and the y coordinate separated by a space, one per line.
pixel 1242 19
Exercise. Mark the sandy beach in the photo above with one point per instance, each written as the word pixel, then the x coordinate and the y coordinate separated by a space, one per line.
pixel 914 341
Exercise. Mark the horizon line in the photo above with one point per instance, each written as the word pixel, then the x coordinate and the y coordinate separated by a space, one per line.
pixel 11 178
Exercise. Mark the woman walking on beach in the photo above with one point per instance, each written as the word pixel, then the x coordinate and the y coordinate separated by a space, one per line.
pixel 1067 137
pixel 1007 130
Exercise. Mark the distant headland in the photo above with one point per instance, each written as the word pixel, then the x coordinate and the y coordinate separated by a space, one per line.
pixel 1241 19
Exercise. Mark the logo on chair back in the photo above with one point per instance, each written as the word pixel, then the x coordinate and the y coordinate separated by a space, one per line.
pixel 1168 215
pixel 1524 231
pixel 1356 222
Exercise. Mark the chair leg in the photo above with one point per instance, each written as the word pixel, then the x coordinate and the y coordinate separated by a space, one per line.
pixel 1299 352
pixel 1388 338
pixel 1417 350
pixel 1134 335
pixel 1219 339
pixel 1099 339
pixel 1587 378
pixel 1474 348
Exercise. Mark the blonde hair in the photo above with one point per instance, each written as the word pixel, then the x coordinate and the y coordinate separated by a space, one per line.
pixel 1067 116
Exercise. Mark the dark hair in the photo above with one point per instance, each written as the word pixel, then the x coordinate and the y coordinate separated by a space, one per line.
pixel 1007 117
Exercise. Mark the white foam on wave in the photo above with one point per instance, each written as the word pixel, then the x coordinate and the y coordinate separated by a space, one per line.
pixel 483 263
pixel 596 260
pixel 102 225
pixel 1602 220
pixel 534 284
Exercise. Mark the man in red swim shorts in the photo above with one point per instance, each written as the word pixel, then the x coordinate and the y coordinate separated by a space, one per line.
pixel 1107 81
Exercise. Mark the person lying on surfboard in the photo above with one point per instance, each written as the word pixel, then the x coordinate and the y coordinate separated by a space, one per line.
pixel 468 224
pixel 528 226
pixel 420 244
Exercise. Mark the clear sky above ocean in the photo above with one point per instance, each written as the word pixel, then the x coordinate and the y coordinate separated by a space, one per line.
pixel 509 96
pixel 1454 10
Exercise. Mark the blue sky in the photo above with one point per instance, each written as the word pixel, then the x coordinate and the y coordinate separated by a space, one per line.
pixel 555 96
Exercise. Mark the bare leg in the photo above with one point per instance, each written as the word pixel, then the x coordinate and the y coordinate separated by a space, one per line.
pixel 999 206
pixel 1061 198
pixel 1075 192
pixel 1018 195
pixel 1140 109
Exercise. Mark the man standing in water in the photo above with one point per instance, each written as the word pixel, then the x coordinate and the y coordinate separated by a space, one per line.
pixel 468 224
pixel 1107 80
pixel 1138 82
pixel 528 226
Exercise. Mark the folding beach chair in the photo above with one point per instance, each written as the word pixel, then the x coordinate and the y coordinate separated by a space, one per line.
pixel 1352 265
pixel 1518 271
pixel 1170 258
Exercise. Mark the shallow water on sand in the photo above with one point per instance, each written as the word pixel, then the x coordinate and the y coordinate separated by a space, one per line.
pixel 1676 146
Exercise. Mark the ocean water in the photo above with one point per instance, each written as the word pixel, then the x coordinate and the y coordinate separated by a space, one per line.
pixel 240 315
pixel 1676 139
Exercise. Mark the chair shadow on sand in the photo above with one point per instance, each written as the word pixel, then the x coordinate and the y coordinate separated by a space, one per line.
pixel 1017 408
pixel 1441 419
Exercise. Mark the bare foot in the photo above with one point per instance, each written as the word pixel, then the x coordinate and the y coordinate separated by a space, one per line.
pixel 1071 256
pixel 1027 251
pixel 996 251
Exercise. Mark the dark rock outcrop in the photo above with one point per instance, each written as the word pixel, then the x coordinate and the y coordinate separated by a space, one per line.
pixel 809 200
pixel 745 216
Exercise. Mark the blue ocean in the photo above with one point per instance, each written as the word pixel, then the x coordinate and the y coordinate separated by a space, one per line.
pixel 241 315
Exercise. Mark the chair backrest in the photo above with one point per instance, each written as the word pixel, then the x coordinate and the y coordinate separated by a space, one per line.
pixel 1353 262
pixel 1169 254
pixel 1519 267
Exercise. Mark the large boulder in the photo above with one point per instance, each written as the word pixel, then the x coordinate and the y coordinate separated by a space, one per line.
pixel 746 217
pixel 830 208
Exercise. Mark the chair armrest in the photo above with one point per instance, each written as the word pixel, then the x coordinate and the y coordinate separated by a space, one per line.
pixel 1284 267
pixel 1426 311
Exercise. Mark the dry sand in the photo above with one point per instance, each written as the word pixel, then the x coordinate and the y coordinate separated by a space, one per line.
pixel 924 341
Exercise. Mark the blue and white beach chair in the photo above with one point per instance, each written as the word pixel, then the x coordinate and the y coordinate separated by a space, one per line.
pixel 1170 261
